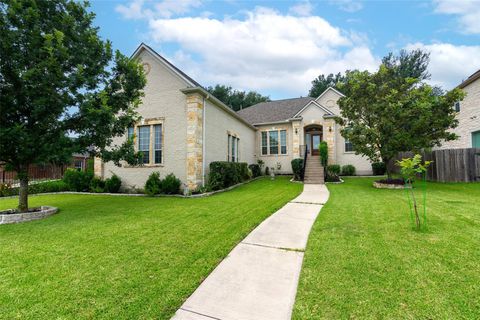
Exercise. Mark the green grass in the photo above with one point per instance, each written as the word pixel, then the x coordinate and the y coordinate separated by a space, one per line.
pixel 364 261
pixel 124 257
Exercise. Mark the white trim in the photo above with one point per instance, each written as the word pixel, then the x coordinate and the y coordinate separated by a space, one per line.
pixel 317 104
pixel 330 88
pixel 161 60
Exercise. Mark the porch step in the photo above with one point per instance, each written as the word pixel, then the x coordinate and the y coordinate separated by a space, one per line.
pixel 314 171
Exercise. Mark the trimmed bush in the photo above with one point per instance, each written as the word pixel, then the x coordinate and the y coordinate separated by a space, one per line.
pixel 333 169
pixel 171 184
pixel 348 170
pixel 379 168
pixel 41 187
pixel 153 185
pixel 297 165
pixel 323 150
pixel 256 171
pixel 97 185
pixel 113 184
pixel 77 180
pixel 267 171
pixel 224 174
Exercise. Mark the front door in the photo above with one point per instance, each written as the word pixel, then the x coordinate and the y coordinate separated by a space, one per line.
pixel 316 138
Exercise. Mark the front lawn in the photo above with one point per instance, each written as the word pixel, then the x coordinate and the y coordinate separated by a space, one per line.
pixel 122 257
pixel 363 261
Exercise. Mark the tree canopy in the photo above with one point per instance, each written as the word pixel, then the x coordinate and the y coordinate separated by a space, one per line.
pixel 58 80
pixel 322 82
pixel 394 109
pixel 236 99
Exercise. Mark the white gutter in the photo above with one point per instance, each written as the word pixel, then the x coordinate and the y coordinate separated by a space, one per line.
pixel 203 141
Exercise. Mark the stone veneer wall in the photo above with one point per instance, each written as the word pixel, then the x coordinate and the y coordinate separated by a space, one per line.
pixel 329 137
pixel 296 139
pixel 194 140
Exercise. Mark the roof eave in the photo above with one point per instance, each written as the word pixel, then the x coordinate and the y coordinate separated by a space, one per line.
pixel 469 80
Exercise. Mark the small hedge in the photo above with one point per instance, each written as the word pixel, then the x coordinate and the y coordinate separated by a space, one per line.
pixel 224 174
pixel 333 169
pixel 78 180
pixel 379 168
pixel 256 171
pixel 323 150
pixel 297 165
pixel 113 184
pixel 42 187
pixel 154 185
pixel 348 170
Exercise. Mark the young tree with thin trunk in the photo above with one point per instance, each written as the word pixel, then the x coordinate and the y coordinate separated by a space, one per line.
pixel 394 110
pixel 62 90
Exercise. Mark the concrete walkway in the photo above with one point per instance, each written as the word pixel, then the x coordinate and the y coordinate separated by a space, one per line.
pixel 258 279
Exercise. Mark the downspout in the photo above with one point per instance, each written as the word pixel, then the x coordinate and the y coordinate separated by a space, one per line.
pixel 203 140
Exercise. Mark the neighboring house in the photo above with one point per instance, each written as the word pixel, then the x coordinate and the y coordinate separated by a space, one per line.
pixel 184 128
pixel 468 115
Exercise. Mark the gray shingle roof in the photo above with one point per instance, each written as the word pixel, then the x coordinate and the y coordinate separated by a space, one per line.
pixel 273 111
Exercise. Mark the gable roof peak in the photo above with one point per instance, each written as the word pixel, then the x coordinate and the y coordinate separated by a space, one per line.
pixel 330 88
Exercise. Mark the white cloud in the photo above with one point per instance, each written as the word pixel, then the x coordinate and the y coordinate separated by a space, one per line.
pixel 450 64
pixel 164 9
pixel 264 51
pixel 348 5
pixel 303 8
pixel 468 12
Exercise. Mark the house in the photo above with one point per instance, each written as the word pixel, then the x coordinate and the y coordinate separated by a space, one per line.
pixel 184 128
pixel 468 115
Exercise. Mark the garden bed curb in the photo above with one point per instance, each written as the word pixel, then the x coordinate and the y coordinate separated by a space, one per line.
pixel 379 185
pixel 27 216
pixel 200 195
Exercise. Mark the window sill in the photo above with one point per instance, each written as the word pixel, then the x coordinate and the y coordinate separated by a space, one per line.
pixel 157 165
pixel 274 155
pixel 349 152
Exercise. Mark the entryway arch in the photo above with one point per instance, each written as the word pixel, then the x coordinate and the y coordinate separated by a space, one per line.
pixel 313 135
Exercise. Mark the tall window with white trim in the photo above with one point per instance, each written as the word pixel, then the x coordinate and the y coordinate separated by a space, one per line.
pixel 274 142
pixel 158 143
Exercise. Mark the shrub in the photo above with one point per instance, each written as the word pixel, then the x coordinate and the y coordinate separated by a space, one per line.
pixel 113 184
pixel 171 184
pixel 256 171
pixel 41 187
pixel 333 169
pixel 379 168
pixel 97 185
pixel 348 170
pixel 267 171
pixel 77 180
pixel 323 150
pixel 224 174
pixel 297 165
pixel 153 185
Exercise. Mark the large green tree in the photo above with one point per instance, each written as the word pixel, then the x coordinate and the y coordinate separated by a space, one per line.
pixel 322 82
pixel 236 99
pixel 394 109
pixel 58 80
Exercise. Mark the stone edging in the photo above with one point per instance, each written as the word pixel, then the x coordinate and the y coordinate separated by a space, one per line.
pixel 200 195
pixel 379 185
pixel 335 182
pixel 27 216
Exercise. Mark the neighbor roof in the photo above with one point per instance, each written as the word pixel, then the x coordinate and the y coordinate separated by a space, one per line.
pixel 470 79
pixel 273 111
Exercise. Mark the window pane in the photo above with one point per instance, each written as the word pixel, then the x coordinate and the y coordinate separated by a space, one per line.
pixel 273 137
pixel 144 142
pixel 238 142
pixel 283 141
pixel 130 133
pixel 233 149
pixel 228 148
pixel 158 143
pixel 264 143
pixel 348 146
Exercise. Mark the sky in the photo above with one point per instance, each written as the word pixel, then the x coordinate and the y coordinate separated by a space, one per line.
pixel 278 47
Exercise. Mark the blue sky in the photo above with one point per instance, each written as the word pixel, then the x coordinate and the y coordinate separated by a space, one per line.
pixel 278 47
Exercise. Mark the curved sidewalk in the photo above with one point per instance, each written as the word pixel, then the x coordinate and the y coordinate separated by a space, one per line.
pixel 258 279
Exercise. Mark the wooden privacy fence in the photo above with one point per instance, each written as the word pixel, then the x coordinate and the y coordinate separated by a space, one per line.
pixel 449 165
pixel 35 173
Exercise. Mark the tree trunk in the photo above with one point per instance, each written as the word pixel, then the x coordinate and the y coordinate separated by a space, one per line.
pixel 386 161
pixel 23 190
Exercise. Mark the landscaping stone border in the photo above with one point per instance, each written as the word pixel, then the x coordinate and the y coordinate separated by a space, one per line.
pixel 200 195
pixel 27 216
pixel 379 185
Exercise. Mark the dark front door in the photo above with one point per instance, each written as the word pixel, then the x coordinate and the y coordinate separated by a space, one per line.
pixel 316 138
